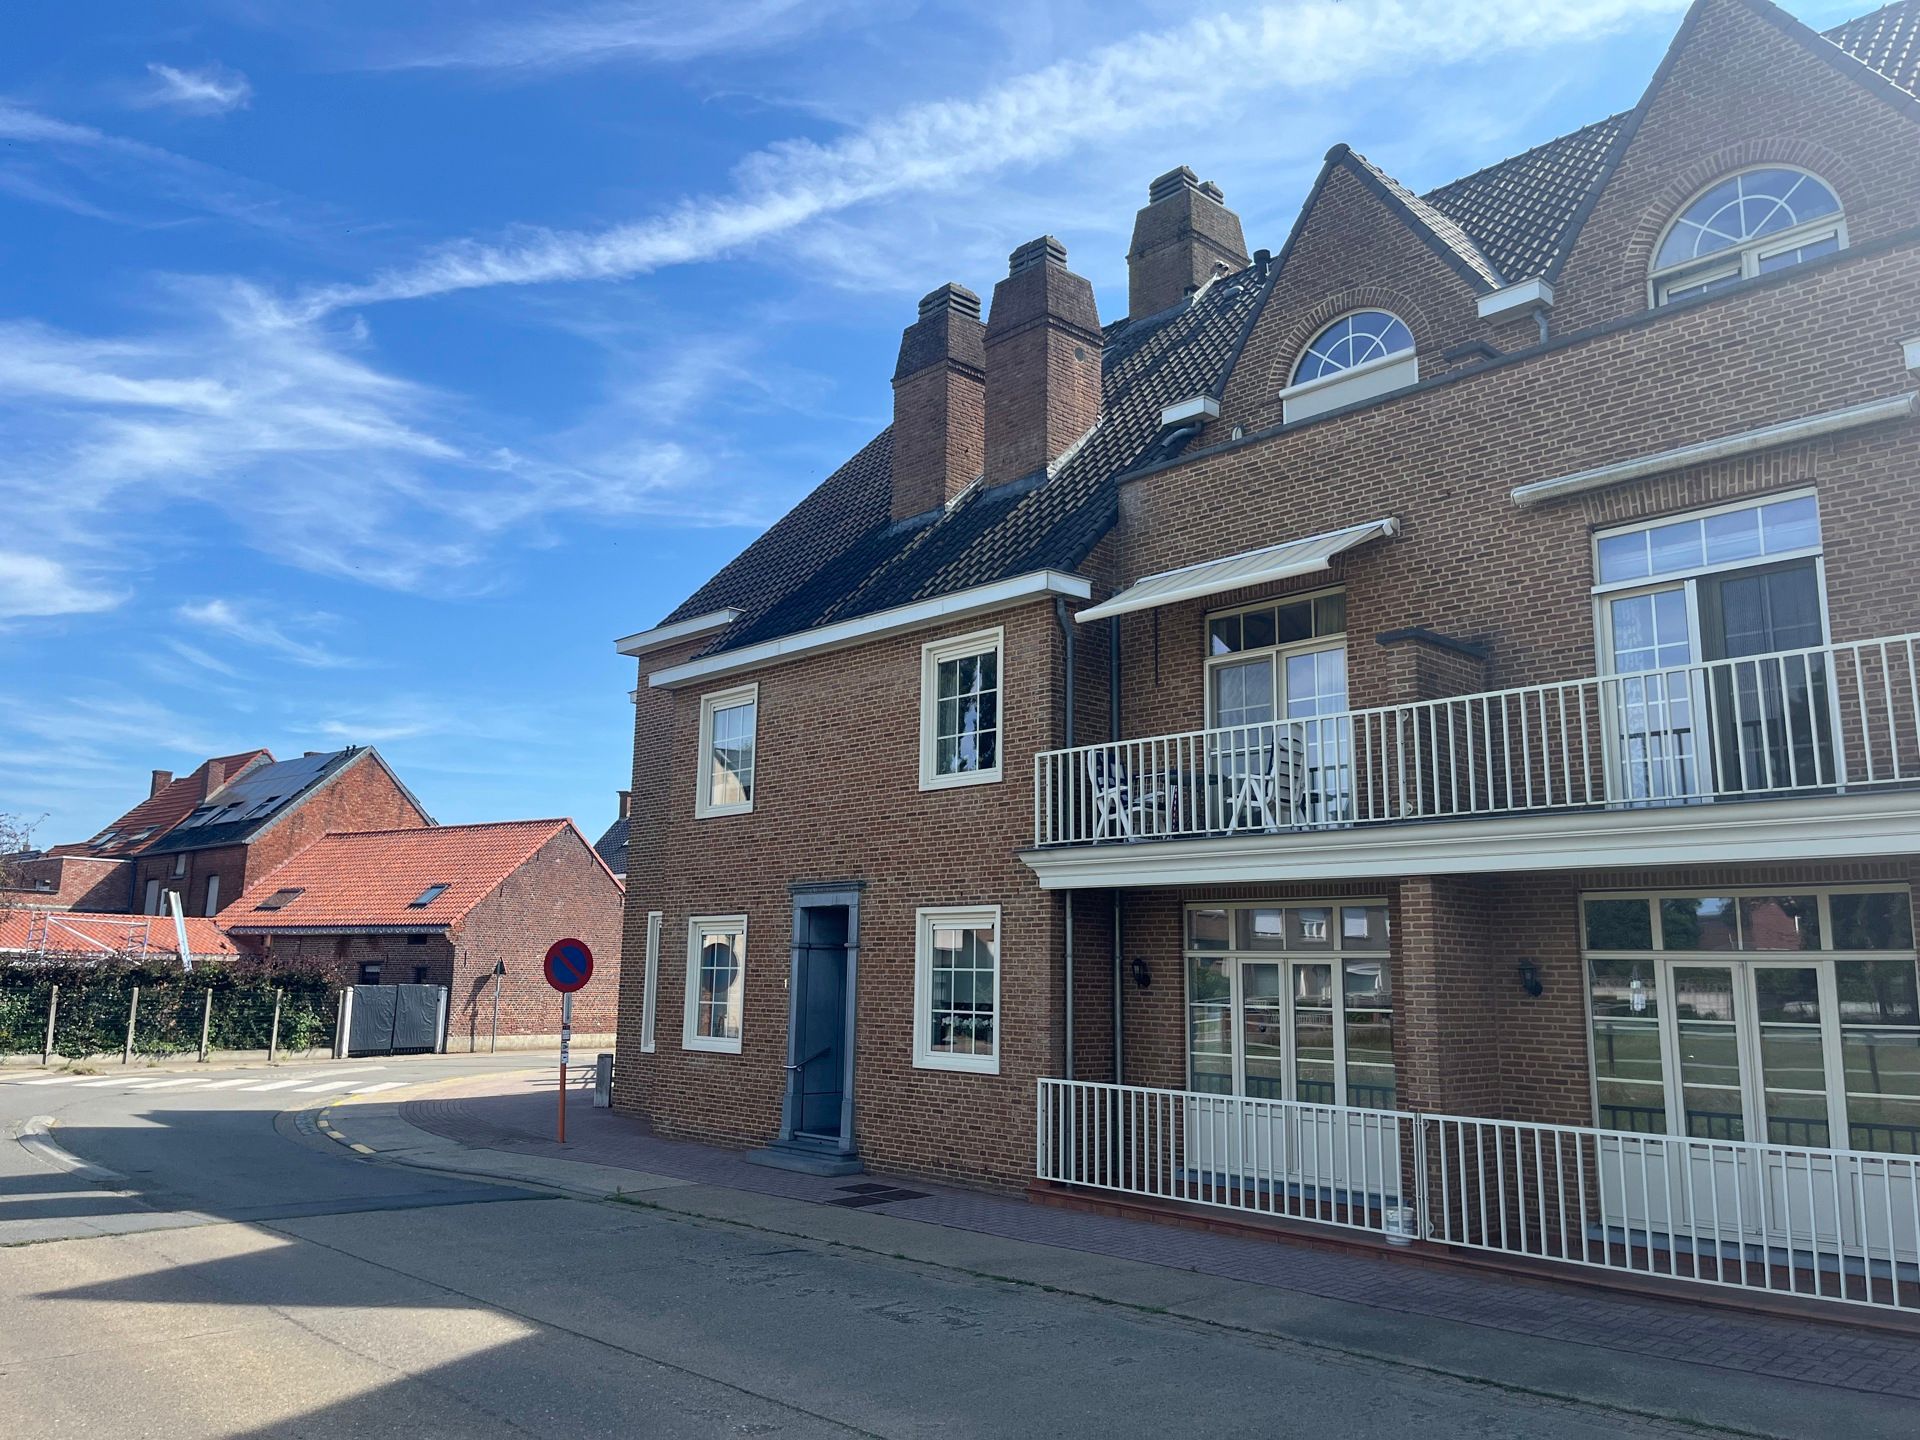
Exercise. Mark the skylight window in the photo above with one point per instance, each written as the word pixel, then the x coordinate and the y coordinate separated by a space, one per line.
pixel 280 899
pixel 426 897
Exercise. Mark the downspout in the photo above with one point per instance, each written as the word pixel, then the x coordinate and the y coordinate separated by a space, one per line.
pixel 1066 634
pixel 1119 965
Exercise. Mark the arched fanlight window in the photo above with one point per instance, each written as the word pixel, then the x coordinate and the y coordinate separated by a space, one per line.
pixel 1745 225
pixel 1352 340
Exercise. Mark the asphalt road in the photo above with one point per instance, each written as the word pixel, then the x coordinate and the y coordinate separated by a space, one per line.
pixel 230 1279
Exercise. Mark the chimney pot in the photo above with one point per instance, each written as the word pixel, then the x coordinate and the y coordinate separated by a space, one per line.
pixel 939 406
pixel 1180 240
pixel 161 779
pixel 1043 363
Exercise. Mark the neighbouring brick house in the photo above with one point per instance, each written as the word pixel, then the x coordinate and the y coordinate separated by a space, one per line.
pixel 444 906
pixel 1461 665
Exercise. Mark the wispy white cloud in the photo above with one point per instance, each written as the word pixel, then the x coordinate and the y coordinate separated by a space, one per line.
pixel 251 627
pixel 212 89
pixel 35 585
pixel 195 656
pixel 1126 89
pixel 548 36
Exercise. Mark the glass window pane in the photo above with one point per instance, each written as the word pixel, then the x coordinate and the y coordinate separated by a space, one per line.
pixel 1313 1063
pixel 1223 635
pixel 1624 989
pixel 1703 993
pixel 1330 614
pixel 1734 535
pixel 1262 930
pixel 1790 524
pixel 1207 929
pixel 1780 922
pixel 1690 923
pixel 1369 983
pixel 1256 629
pixel 1363 927
pixel 1294 622
pixel 1871 922
pixel 1876 992
pixel 1675 547
pixel 1313 985
pixel 1623 557
pixel 1619 925
pixel 1310 928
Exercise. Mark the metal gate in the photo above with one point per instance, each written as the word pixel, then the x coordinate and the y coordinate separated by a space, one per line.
pixel 395 1019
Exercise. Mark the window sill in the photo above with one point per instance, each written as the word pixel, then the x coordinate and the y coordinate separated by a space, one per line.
pixel 958 1064
pixel 1374 379
pixel 701 1043
pixel 960 779
pixel 716 812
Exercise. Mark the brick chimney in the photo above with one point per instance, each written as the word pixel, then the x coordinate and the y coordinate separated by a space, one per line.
pixel 1182 236
pixel 939 405
pixel 161 779
pixel 1043 362
pixel 626 802
pixel 216 775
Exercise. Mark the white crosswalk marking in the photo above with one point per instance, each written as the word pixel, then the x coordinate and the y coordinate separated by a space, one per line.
pixel 54 1080
pixel 168 1084
pixel 229 1084
pixel 110 1080
pixel 289 1084
pixel 384 1085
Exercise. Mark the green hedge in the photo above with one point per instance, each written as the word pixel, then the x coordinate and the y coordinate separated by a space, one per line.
pixel 92 1018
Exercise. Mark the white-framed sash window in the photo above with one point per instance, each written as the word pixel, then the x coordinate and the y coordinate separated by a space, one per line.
pixel 716 982
pixel 213 896
pixel 956 989
pixel 962 686
pixel 1788 1015
pixel 1291 1001
pixel 649 997
pixel 729 745
pixel 1675 595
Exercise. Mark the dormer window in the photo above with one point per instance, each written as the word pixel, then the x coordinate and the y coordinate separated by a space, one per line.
pixel 1748 224
pixel 1357 357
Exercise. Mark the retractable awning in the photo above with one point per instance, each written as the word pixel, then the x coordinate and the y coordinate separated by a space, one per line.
pixel 1234 572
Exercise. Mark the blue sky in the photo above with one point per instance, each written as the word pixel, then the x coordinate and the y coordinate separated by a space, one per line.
pixel 367 367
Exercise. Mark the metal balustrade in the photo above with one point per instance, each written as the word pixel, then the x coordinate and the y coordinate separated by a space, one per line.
pixel 1789 1220
pixel 1816 721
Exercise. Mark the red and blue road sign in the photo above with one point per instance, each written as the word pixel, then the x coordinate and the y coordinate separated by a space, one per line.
pixel 569 965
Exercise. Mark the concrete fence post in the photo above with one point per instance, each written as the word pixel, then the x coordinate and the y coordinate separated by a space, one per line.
pixel 133 1012
pixel 273 1037
pixel 206 1025
pixel 343 1024
pixel 53 1010
pixel 603 1082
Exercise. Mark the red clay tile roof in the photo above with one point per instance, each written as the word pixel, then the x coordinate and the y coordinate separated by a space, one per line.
pixel 156 815
pixel 62 932
pixel 367 879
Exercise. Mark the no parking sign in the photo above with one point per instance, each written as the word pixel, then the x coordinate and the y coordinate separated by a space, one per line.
pixel 568 966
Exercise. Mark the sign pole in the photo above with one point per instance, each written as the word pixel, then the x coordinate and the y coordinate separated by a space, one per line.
pixel 566 1045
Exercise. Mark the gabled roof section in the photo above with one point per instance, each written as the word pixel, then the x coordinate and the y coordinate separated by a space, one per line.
pixel 1438 229
pixel 371 879
pixel 1886 41
pixel 242 808
pixel 147 823
pixel 612 846
pixel 838 556
pixel 1518 211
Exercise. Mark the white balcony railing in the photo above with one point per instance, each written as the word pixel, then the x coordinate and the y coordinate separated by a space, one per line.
pixel 1832 1225
pixel 1814 721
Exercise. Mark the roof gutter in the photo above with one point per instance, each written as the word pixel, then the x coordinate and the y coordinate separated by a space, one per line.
pixel 662 635
pixel 953 606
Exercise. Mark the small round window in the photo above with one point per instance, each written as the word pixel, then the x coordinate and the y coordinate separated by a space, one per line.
pixel 1353 340
pixel 1746 225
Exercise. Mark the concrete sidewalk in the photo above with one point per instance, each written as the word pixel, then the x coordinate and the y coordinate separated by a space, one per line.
pixel 1748 1373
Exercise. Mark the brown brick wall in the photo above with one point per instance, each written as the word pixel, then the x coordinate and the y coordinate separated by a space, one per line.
pixel 72 882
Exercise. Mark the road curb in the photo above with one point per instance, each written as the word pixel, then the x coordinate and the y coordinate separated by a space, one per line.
pixel 36 1138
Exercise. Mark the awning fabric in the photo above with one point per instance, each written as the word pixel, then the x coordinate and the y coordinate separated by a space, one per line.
pixel 1234 572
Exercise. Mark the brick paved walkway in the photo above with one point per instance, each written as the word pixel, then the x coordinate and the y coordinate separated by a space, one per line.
pixel 521 1123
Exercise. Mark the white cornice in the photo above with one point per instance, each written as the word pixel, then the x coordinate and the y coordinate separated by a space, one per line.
pixel 645 640
pixel 954 606
pixel 1526 295
pixel 1767 437
pixel 1826 828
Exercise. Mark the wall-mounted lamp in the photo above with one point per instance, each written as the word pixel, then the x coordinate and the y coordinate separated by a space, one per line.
pixel 1142 976
pixel 1530 978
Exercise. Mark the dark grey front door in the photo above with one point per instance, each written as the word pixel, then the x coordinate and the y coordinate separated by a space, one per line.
pixel 820 1036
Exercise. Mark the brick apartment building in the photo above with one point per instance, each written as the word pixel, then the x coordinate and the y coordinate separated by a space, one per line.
pixel 1461 665
pixel 446 906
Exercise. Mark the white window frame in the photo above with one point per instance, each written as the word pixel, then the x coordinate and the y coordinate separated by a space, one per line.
pixel 698 929
pixel 1741 261
pixel 150 904
pixel 704 807
pixel 932 655
pixel 1278 654
pixel 213 895
pixel 650 994
pixel 926 920
pixel 180 863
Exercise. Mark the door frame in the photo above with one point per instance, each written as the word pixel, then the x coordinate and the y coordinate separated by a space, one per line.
pixel 844 894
